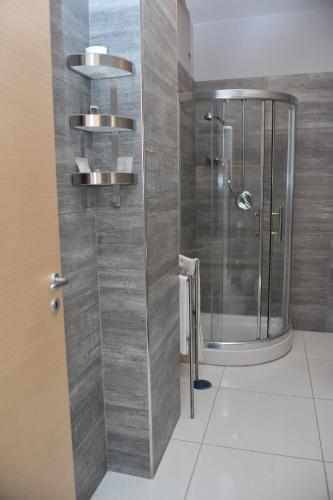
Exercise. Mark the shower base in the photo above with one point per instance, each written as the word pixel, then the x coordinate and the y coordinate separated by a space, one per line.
pixel 239 349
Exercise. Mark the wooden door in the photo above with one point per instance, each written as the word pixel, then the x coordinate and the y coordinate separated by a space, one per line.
pixel 36 460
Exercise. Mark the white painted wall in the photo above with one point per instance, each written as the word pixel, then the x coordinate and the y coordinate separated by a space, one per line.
pixel 205 11
pixel 265 45
pixel 184 37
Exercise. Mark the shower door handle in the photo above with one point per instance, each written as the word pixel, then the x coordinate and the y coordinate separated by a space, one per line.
pixel 257 214
pixel 279 214
pixel 227 139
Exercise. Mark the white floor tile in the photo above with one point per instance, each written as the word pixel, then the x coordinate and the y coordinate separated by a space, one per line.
pixel 298 348
pixel 329 474
pixel 186 428
pixel 319 345
pixel 170 482
pixel 322 378
pixel 226 474
pixel 287 375
pixel 208 372
pixel 325 421
pixel 269 423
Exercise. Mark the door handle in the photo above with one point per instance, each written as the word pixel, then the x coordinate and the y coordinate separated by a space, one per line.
pixel 57 281
pixel 280 231
pixel 257 213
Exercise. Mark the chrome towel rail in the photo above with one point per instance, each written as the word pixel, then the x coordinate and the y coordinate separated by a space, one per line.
pixel 194 334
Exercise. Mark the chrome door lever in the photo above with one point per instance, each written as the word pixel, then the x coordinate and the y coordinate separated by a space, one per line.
pixel 57 281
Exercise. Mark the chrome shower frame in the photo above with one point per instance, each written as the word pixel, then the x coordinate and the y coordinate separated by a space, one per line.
pixel 238 94
pixel 263 348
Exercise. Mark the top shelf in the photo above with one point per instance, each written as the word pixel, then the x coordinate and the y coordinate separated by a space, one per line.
pixel 100 66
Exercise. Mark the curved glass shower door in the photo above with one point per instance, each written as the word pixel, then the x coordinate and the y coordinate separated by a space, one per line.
pixel 238 205
pixel 236 183
pixel 283 121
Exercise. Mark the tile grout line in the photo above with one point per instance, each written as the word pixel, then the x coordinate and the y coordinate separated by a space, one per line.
pixel 323 399
pixel 317 421
pixel 307 354
pixel 213 405
pixel 264 392
pixel 307 358
pixel 220 381
pixel 265 452
pixel 203 436
pixel 320 359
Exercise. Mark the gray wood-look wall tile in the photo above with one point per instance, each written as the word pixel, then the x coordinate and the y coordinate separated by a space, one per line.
pixel 83 336
pixel 160 74
pixel 90 463
pixel 86 401
pixel 187 166
pixel 121 252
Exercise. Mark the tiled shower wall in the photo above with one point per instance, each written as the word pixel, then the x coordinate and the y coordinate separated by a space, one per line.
pixel 122 335
pixel 311 276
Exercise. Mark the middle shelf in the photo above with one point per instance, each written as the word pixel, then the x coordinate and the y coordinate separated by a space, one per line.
pixel 102 123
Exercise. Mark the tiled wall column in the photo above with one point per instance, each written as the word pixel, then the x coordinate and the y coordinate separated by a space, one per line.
pixel 160 118
pixel 138 242
pixel 121 307
pixel 121 251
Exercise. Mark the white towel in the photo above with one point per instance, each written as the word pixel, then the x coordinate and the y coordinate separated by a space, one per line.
pixel 186 265
pixel 184 313
pixel 199 319
pixel 187 268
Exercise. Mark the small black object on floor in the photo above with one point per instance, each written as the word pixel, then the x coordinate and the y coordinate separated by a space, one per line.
pixel 202 385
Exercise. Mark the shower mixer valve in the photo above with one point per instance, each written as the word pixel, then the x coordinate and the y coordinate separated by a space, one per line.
pixel 244 200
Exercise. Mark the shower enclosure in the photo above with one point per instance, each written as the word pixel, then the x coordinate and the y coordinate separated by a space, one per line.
pixel 236 169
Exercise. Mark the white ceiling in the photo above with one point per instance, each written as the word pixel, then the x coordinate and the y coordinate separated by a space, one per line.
pixel 205 11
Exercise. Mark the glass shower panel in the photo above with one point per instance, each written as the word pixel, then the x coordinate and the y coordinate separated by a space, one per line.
pixel 265 219
pixel 205 137
pixel 236 205
pixel 280 219
pixel 219 199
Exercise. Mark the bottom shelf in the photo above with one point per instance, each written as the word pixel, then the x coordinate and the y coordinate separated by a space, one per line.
pixel 102 178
